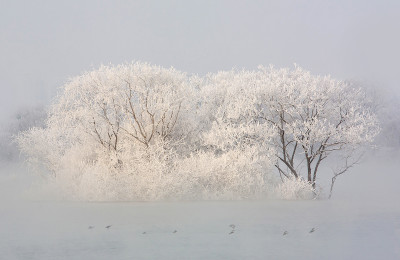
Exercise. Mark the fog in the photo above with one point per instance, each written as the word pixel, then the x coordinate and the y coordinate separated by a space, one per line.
pixel 361 221
pixel 44 43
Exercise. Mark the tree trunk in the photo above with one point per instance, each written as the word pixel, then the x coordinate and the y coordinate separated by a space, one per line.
pixel 309 178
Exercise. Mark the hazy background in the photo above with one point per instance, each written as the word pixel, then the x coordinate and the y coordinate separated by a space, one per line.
pixel 43 43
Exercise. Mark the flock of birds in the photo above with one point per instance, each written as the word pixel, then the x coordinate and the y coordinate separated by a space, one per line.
pixel 311 231
pixel 232 226
pixel 107 227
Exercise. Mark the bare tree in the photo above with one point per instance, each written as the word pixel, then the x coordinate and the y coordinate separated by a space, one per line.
pixel 349 162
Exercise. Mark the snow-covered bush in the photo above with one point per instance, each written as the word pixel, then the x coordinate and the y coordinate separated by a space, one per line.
pixel 293 188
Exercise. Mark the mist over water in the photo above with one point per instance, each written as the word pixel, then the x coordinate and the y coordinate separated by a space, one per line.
pixel 373 180
pixel 44 43
pixel 363 211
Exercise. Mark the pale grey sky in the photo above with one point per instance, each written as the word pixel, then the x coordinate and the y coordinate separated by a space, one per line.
pixel 43 43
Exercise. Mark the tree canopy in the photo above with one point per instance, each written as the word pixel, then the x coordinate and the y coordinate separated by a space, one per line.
pixel 143 132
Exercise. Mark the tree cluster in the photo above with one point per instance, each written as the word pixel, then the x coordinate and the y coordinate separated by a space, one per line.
pixel 143 132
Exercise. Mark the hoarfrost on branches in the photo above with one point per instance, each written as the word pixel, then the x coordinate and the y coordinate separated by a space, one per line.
pixel 142 132
pixel 314 116
pixel 295 189
pixel 132 132
pixel 300 117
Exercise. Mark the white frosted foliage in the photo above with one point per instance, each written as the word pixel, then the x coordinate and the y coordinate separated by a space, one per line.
pixel 142 132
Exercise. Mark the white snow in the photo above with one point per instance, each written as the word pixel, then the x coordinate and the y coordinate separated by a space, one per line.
pixel 361 221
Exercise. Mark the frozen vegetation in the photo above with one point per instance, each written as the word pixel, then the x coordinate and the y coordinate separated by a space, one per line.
pixel 146 133
pixel 141 161
pixel 213 158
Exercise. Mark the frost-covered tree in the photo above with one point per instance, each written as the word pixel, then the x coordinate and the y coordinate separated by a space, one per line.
pixel 138 131
pixel 24 119
pixel 314 117
pixel 311 117
pixel 111 126
pixel 233 130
